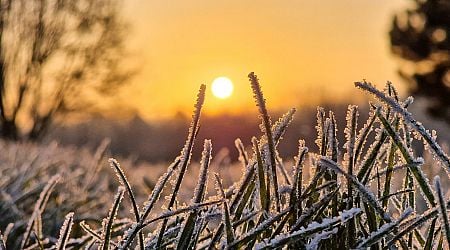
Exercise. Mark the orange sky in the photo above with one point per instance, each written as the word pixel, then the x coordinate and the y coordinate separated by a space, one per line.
pixel 304 52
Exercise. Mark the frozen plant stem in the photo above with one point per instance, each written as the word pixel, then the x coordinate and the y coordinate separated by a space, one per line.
pixel 266 127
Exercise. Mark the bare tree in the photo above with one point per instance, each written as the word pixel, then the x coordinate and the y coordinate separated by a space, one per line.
pixel 56 57
pixel 421 36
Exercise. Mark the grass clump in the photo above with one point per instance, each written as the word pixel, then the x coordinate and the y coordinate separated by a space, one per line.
pixel 361 194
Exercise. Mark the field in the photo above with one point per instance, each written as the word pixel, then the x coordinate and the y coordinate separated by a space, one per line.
pixel 372 190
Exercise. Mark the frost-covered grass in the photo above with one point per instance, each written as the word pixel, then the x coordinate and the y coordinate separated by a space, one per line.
pixel 366 192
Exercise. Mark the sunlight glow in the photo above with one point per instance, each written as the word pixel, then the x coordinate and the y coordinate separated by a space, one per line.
pixel 222 87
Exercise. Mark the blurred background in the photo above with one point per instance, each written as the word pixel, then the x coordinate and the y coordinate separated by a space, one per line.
pixel 81 71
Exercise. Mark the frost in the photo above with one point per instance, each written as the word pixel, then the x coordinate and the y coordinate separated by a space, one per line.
pixel 312 228
pixel 280 126
pixel 65 231
pixel 409 118
pixel 320 127
pixel 199 191
pixel 383 231
pixel 314 243
pixel 366 194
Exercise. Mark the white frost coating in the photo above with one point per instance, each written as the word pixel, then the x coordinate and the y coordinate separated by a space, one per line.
pixel 442 206
pixel 312 228
pixel 157 191
pixel 332 134
pixel 148 205
pixel 320 127
pixel 383 230
pixel 280 126
pixel 364 132
pixel 65 231
pixel 348 214
pixel 366 194
pixel 436 149
pixel 285 189
pixel 39 206
pixel 202 183
pixel 314 243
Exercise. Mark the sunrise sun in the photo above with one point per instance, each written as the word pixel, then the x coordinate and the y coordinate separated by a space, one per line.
pixel 222 87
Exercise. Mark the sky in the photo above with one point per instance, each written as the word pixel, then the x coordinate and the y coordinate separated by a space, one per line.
pixel 304 52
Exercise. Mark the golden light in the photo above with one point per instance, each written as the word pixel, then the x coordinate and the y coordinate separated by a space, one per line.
pixel 222 87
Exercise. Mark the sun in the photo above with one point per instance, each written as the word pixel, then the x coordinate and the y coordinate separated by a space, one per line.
pixel 222 87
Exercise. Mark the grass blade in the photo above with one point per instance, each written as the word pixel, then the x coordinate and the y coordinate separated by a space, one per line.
pixel 417 172
pixel 65 232
pixel 266 128
pixel 39 208
pixel 428 243
pixel 263 191
pixel 189 227
pixel 383 231
pixel 185 155
pixel 226 212
pixel 409 118
pixel 295 200
pixel 350 135
pixel 108 223
pixel 314 227
pixel 366 194
pixel 129 237
pixel 123 180
pixel 442 209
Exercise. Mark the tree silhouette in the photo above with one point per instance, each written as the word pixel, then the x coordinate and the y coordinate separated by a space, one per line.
pixel 56 57
pixel 420 36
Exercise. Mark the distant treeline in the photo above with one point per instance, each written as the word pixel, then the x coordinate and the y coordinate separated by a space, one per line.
pixel 159 141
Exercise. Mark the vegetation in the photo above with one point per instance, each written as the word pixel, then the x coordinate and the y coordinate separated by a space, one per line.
pixel 420 36
pixel 364 193
pixel 56 57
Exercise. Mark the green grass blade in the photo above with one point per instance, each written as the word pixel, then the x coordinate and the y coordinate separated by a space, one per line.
pixel 410 225
pixel 417 172
pixel 246 198
pixel 389 170
pixel 182 210
pixel 383 231
pixel 129 237
pixel 252 234
pixel 247 180
pixel 185 155
pixel 108 223
pixel 295 200
pixel 189 228
pixel 366 194
pixel 311 229
pixel 90 231
pixel 279 128
pixel 226 212
pixel 440 245
pixel 243 157
pixel 65 232
pixel 363 134
pixel 123 180
pixel 442 208
pixel 263 191
pixel 350 135
pixel 312 210
pixel 261 103
pixel 430 237
pixel 39 208
pixel 409 118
